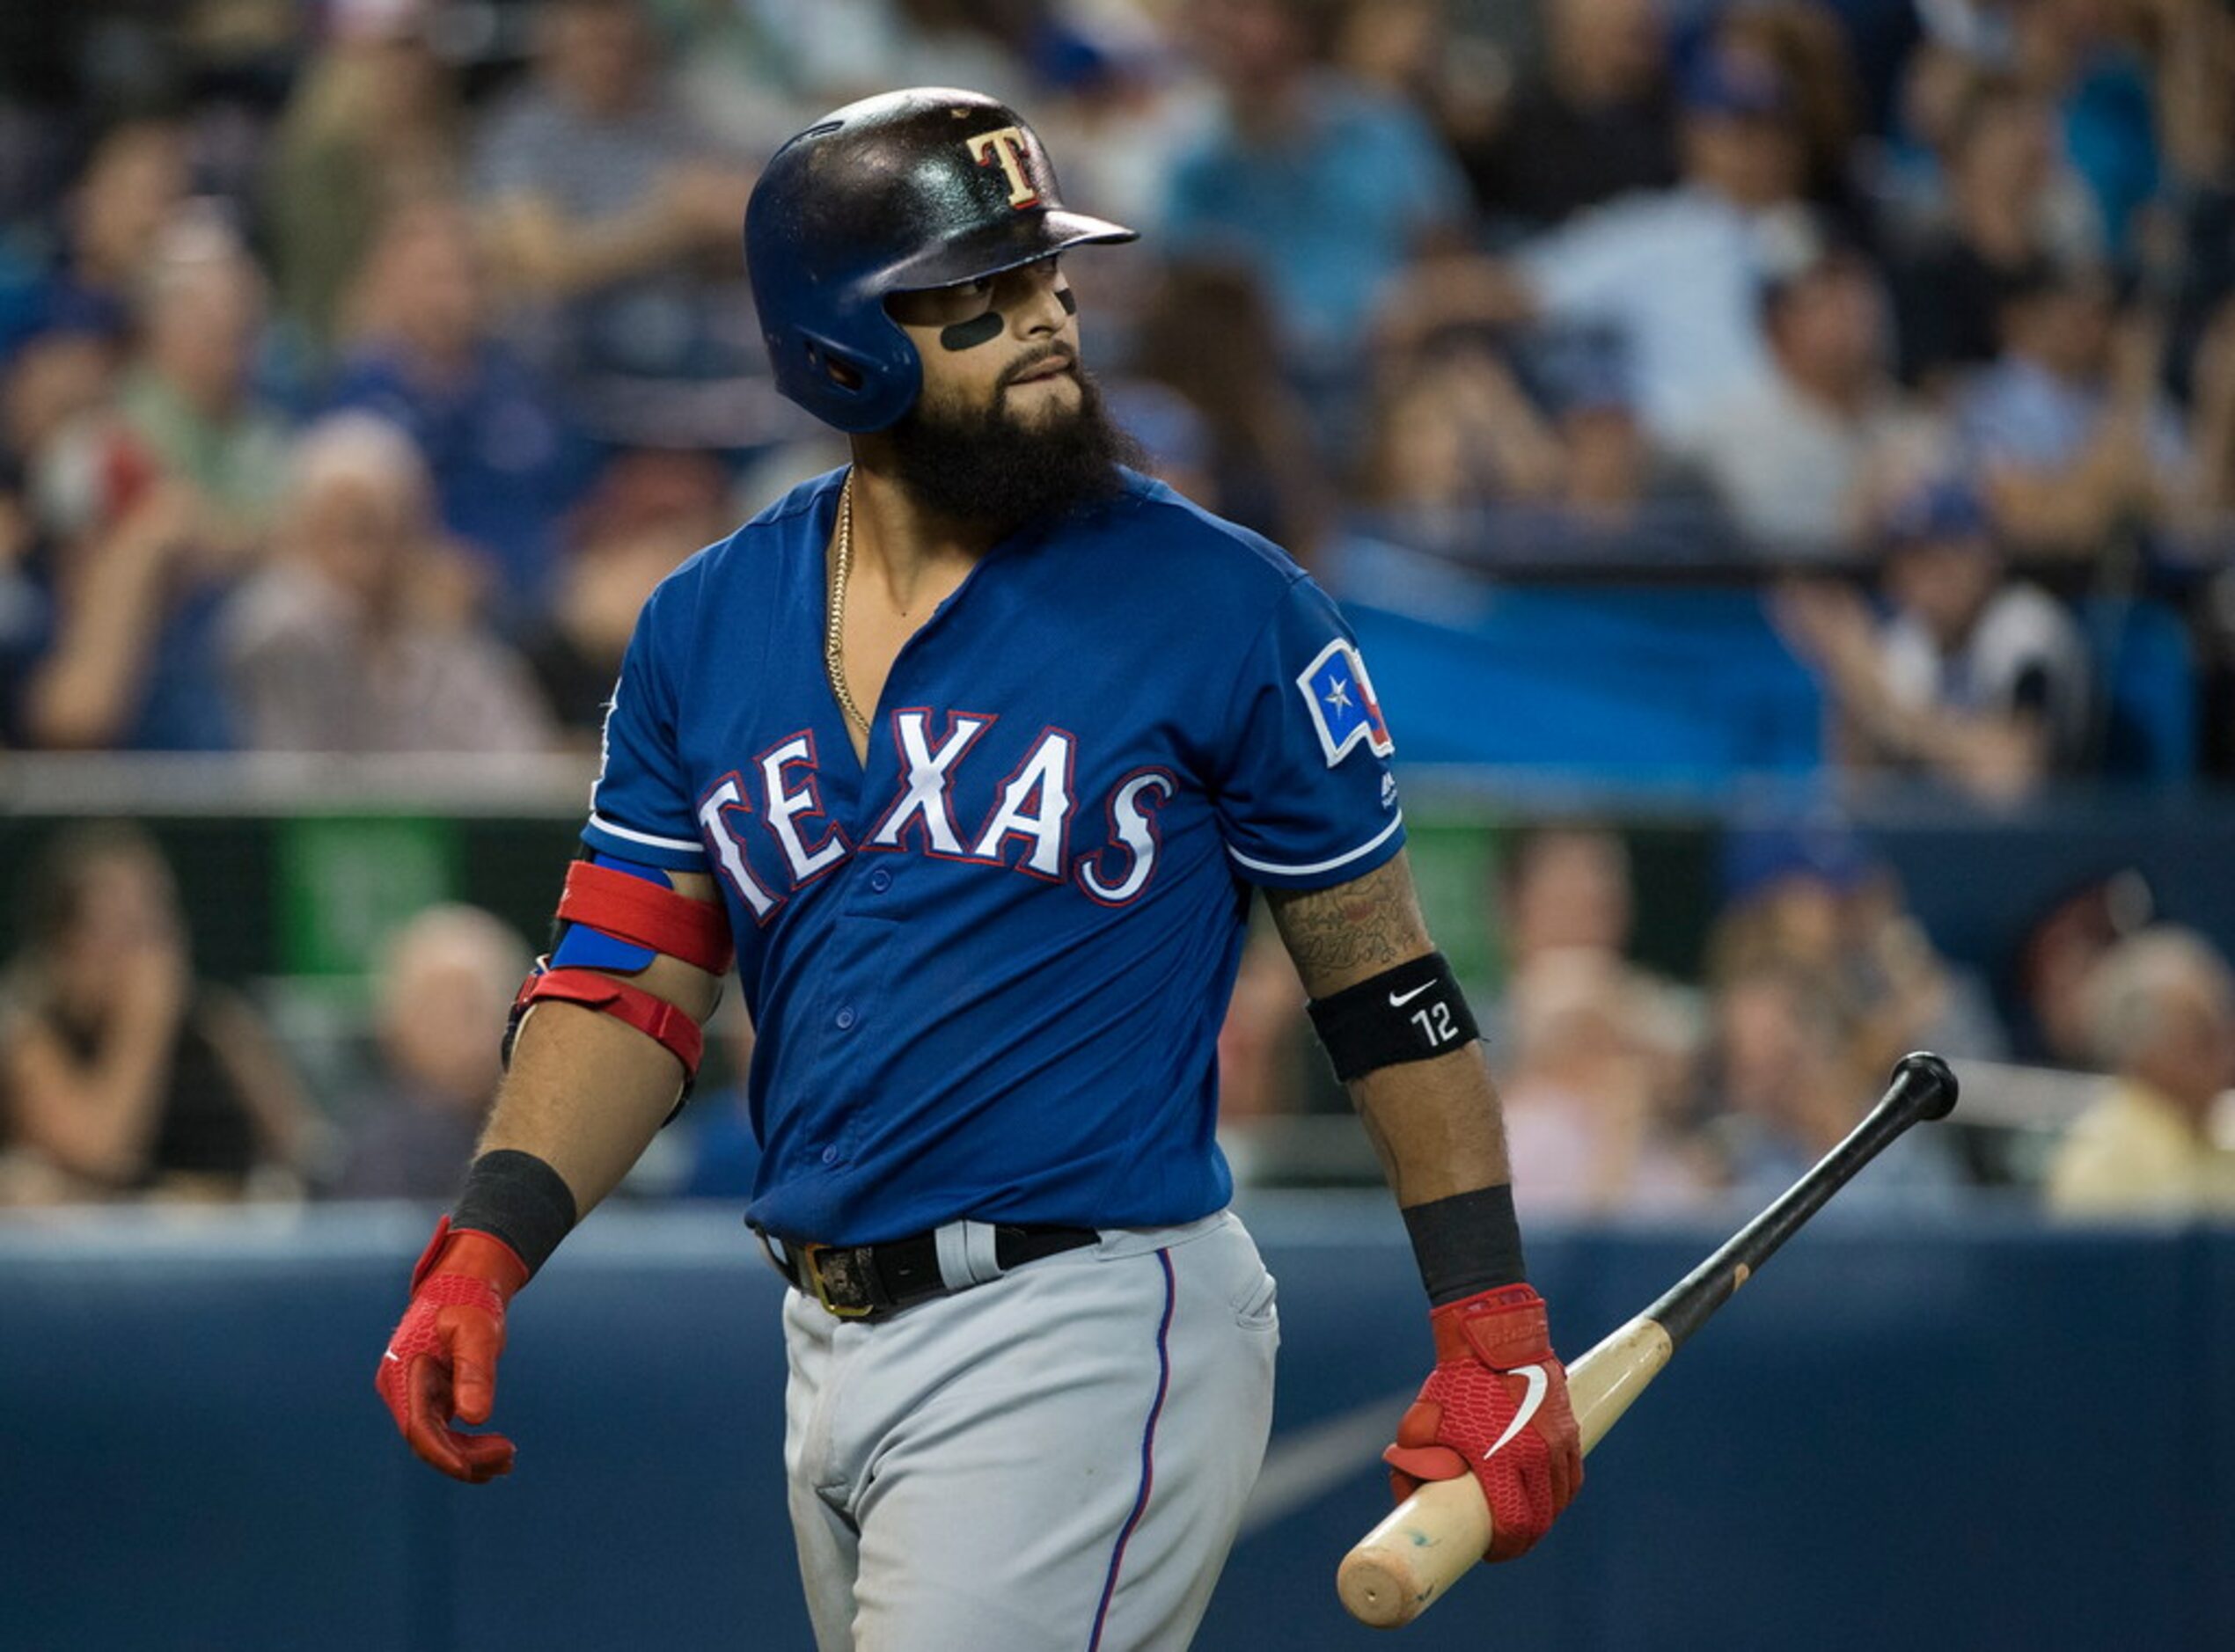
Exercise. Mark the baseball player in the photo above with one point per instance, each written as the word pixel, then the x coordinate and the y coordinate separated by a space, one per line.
pixel 973 751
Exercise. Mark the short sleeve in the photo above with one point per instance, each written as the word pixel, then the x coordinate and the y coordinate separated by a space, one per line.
pixel 1304 794
pixel 640 806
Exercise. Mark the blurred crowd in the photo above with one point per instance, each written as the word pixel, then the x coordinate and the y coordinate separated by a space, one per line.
pixel 1628 1092
pixel 125 1075
pixel 363 362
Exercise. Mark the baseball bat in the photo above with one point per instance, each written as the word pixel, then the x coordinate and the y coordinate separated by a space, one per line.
pixel 1406 1563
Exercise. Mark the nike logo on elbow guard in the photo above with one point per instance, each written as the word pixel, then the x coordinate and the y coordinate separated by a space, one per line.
pixel 1398 1000
pixel 1539 1385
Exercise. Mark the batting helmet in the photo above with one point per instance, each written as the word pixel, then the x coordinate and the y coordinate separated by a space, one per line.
pixel 896 194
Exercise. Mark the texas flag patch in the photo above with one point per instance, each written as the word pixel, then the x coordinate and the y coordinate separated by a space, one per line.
pixel 1340 697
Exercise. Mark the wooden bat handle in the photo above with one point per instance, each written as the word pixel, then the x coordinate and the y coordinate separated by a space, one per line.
pixel 1435 1537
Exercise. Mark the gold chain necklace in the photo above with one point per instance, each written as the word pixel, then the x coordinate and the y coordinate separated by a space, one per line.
pixel 833 633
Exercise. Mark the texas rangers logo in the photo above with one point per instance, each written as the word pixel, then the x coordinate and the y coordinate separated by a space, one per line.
pixel 1006 145
pixel 1344 711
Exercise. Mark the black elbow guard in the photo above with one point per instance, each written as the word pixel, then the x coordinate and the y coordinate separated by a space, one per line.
pixel 1413 1012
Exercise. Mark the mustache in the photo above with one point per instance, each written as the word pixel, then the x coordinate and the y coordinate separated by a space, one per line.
pixel 1038 358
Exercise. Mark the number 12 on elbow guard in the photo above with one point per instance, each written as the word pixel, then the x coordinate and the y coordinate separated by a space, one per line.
pixel 1412 1012
pixel 1437 1026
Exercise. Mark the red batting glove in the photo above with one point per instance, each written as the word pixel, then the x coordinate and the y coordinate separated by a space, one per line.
pixel 442 1361
pixel 1497 1403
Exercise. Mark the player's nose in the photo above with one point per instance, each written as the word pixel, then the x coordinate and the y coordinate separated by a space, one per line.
pixel 1047 303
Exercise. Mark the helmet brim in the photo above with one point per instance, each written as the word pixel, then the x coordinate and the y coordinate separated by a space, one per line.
pixel 1025 239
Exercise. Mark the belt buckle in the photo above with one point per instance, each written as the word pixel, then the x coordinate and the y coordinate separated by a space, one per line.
pixel 810 1257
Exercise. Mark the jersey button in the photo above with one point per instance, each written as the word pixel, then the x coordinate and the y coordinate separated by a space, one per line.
pixel 880 881
pixel 844 1017
pixel 830 1155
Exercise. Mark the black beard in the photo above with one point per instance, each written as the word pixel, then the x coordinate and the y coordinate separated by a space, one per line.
pixel 991 471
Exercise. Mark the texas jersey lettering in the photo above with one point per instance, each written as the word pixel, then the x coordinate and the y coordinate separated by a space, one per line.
pixel 1138 708
pixel 1025 817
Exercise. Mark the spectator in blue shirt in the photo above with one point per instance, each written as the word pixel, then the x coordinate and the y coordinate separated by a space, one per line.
pixel 1322 189
pixel 506 469
pixel 2069 425
pixel 2101 88
pixel 128 192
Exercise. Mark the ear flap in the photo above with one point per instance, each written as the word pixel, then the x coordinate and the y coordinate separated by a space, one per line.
pixel 855 390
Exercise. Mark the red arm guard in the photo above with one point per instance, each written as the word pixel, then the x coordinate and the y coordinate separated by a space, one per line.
pixel 645 915
pixel 674 1030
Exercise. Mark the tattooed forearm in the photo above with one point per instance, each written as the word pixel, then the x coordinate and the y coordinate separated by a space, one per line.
pixel 1434 1123
pixel 1342 935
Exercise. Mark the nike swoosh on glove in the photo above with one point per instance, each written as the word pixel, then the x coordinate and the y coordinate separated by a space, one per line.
pixel 1496 1405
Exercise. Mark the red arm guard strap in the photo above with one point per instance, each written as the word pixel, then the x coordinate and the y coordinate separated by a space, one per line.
pixel 654 1017
pixel 645 915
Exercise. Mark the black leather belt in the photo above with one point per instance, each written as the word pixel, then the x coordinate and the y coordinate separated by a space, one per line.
pixel 857 1282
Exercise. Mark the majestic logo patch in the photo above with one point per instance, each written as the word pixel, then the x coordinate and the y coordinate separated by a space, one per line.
pixel 1006 144
pixel 1340 697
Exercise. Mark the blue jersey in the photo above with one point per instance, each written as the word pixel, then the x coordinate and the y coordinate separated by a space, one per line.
pixel 987 968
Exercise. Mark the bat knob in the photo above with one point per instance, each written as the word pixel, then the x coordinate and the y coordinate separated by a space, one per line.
pixel 1930 1078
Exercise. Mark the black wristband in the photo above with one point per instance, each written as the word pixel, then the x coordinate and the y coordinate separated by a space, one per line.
pixel 1413 1012
pixel 1467 1244
pixel 521 1200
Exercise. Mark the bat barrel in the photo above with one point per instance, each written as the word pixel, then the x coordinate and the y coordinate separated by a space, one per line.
pixel 1922 1087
